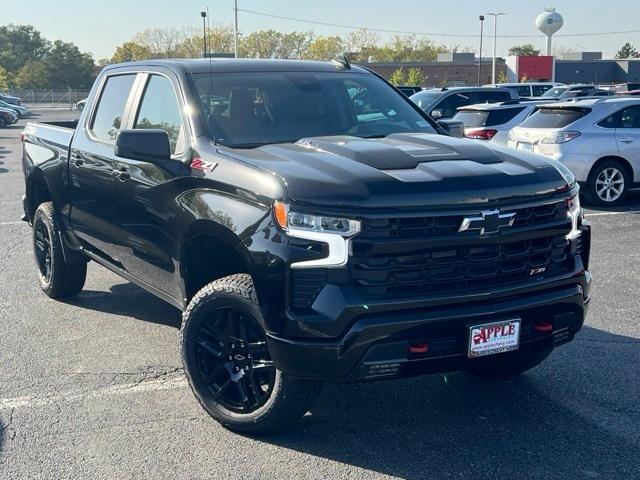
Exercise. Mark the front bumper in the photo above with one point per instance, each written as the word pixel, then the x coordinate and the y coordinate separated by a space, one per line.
pixel 376 346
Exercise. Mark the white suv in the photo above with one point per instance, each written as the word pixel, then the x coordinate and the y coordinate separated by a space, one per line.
pixel 598 139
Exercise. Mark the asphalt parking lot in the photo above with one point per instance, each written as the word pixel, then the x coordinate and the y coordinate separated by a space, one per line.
pixel 93 387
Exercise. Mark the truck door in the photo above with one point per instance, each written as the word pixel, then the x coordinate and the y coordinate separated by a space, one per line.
pixel 145 192
pixel 91 165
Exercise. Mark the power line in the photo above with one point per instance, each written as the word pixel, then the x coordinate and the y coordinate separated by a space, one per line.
pixel 431 34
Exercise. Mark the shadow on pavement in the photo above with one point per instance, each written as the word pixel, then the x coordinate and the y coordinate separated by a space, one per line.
pixel 549 423
pixel 129 300
pixel 632 202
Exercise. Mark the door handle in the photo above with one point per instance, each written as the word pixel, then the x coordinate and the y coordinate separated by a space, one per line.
pixel 121 173
pixel 626 140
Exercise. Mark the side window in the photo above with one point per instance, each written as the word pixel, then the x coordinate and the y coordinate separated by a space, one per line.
pixel 538 90
pixel 627 118
pixel 159 109
pixel 450 104
pixel 493 97
pixel 630 117
pixel 108 116
pixel 524 91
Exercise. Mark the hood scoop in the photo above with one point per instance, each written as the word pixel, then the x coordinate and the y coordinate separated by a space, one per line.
pixel 401 151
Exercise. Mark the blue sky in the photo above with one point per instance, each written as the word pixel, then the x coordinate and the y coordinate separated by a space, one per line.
pixel 98 26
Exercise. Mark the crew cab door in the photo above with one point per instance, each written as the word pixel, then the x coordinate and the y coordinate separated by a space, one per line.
pixel 144 192
pixel 628 136
pixel 91 165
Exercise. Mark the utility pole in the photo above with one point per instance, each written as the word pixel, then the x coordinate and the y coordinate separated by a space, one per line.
pixel 235 28
pixel 495 37
pixel 481 18
pixel 204 34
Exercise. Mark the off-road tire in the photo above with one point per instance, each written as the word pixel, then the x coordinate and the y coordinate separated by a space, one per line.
pixel 64 279
pixel 290 398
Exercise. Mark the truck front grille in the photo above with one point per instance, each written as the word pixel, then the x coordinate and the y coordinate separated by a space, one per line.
pixel 455 269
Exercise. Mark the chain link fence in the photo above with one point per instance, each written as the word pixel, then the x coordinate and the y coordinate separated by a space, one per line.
pixel 64 99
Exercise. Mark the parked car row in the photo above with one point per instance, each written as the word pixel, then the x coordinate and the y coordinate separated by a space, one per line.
pixel 11 110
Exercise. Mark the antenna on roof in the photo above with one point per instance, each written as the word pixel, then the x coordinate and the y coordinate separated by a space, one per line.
pixel 341 62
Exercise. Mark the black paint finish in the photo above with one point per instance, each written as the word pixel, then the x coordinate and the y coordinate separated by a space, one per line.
pixel 150 221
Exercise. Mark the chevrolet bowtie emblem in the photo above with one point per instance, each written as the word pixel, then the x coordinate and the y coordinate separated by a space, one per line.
pixel 489 221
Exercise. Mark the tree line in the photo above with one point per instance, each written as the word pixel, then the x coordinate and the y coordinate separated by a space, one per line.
pixel 30 61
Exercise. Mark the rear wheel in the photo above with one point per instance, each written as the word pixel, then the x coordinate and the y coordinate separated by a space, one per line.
pixel 507 365
pixel 57 277
pixel 608 184
pixel 227 361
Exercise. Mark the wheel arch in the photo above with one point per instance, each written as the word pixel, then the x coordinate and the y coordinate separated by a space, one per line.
pixel 37 192
pixel 616 158
pixel 210 251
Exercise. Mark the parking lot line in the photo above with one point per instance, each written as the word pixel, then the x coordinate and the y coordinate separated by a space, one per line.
pixel 602 214
pixel 11 223
pixel 111 390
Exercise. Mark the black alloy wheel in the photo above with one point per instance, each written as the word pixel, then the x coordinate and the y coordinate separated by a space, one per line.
pixel 42 247
pixel 233 361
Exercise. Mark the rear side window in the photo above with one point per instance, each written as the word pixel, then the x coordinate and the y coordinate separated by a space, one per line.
pixel 627 118
pixel 524 90
pixel 159 109
pixel 113 99
pixel 554 117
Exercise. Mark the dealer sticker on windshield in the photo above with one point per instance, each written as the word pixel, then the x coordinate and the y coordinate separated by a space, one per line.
pixel 496 337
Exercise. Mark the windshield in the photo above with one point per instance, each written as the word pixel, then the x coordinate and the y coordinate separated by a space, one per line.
pixel 554 92
pixel 425 99
pixel 247 110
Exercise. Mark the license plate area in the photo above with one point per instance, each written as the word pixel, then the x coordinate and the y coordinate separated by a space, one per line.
pixel 494 337
pixel 525 146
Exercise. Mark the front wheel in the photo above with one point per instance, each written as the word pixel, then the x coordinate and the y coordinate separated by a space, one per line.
pixel 227 362
pixel 505 365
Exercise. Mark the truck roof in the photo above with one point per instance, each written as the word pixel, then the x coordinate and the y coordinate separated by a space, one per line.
pixel 222 65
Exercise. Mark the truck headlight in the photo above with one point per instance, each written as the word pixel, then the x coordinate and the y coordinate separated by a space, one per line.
pixel 334 231
pixel 575 215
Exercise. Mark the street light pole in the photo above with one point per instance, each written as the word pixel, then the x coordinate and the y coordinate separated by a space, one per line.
pixel 235 28
pixel 495 37
pixel 204 34
pixel 481 18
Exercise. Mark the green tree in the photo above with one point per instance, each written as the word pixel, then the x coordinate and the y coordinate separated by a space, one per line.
pixel 67 67
pixel 294 45
pixel 33 75
pixel 129 52
pixel 19 44
pixel 261 44
pixel 526 50
pixel 415 77
pixel 325 48
pixel 502 77
pixel 628 51
pixel 398 77
pixel 4 79
pixel 219 40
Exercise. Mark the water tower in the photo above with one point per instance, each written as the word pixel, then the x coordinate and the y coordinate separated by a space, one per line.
pixel 549 22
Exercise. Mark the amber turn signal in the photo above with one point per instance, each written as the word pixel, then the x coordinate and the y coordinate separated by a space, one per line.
pixel 280 212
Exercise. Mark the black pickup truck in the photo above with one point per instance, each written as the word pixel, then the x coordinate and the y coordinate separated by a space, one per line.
pixel 306 236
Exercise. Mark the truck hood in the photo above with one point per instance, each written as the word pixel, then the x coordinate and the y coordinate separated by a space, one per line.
pixel 402 170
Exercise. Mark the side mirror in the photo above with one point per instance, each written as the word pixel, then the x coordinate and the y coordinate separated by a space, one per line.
pixel 437 113
pixel 149 145
pixel 454 128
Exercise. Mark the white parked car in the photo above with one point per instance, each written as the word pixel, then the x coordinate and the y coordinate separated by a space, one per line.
pixel 493 121
pixel 597 139
pixel 529 89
